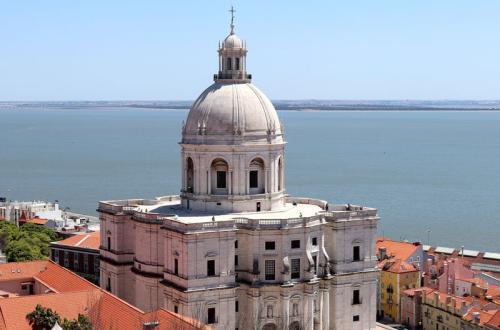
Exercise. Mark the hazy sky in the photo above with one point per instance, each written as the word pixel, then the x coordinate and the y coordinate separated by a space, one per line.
pixel 166 50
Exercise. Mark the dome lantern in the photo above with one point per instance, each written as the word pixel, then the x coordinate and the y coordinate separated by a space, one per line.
pixel 232 58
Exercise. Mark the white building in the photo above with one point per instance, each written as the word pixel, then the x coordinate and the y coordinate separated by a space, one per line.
pixel 16 210
pixel 233 249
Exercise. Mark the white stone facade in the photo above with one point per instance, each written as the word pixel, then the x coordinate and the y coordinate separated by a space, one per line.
pixel 233 250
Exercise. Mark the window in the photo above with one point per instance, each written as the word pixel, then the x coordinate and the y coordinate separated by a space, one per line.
pixel 108 287
pixel 236 260
pixel 270 245
pixel 269 270
pixel 221 179
pixel 176 309
pixel 210 267
pixel 66 259
pixel 295 268
pixel 55 255
pixel 211 315
pixel 355 297
pixel 315 263
pixel 85 263
pixel 295 244
pixel 76 261
pixel 236 244
pixel 109 243
pixel 314 241
pixel 176 266
pixel 254 179
pixel 237 64
pixel 269 311
pixel 355 253
pixel 236 306
pixel 228 64
pixel 355 318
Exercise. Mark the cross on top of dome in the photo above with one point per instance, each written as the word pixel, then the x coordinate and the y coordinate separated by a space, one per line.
pixel 232 11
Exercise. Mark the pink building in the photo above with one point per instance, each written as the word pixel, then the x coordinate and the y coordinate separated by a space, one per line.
pixel 411 307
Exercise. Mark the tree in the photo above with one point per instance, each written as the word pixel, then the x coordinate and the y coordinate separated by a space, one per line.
pixel 43 318
pixel 82 322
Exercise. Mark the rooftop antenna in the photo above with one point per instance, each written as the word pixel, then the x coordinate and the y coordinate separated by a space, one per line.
pixel 232 11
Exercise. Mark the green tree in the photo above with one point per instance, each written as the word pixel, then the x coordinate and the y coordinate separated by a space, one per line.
pixel 43 318
pixel 82 322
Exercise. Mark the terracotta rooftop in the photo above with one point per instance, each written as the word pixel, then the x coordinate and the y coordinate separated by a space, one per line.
pixel 37 221
pixel 397 249
pixel 72 295
pixel 397 266
pixel 494 322
pixel 411 292
pixel 484 316
pixel 87 241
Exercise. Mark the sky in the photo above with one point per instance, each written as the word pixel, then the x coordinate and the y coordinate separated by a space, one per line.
pixel 166 50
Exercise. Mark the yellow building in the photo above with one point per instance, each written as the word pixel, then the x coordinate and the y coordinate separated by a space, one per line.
pixel 396 276
pixel 442 311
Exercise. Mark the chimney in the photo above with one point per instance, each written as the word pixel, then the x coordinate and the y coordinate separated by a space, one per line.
pixel 448 300
pixel 475 317
pixel 436 298
pixel 382 253
pixel 453 303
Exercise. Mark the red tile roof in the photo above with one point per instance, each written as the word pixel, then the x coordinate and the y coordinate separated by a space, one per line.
pixel 484 316
pixel 87 241
pixel 494 322
pixel 37 221
pixel 397 249
pixel 21 270
pixel 75 295
pixel 397 266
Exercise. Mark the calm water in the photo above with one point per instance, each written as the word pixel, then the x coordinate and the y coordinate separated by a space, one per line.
pixel 422 170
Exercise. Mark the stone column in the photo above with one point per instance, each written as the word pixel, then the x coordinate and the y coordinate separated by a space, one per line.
pixel 266 180
pixel 286 311
pixel 209 182
pixel 325 307
pixel 309 311
pixel 230 181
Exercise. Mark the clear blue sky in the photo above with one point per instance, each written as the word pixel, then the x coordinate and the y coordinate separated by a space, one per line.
pixel 166 50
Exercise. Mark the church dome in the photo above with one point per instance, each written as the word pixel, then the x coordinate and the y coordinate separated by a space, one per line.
pixel 232 41
pixel 234 113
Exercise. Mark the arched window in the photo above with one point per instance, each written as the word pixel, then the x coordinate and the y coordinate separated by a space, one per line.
pixel 237 63
pixel 189 175
pixel 228 64
pixel 219 174
pixel 256 176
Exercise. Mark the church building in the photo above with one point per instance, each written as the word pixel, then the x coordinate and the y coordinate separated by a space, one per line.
pixel 233 249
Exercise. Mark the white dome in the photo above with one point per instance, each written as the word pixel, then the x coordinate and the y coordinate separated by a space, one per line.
pixel 232 41
pixel 232 114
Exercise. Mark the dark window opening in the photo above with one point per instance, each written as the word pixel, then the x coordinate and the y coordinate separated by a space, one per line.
pixel 236 306
pixel 355 253
pixel 221 179
pixel 355 297
pixel 228 64
pixel 295 268
pixel 315 263
pixel 270 245
pixel 108 287
pixel 254 179
pixel 237 64
pixel 270 270
pixel 355 318
pixel 314 241
pixel 258 206
pixel 236 244
pixel 236 260
pixel 210 267
pixel 211 315
pixel 109 243
pixel 295 244
pixel 176 266
pixel 176 309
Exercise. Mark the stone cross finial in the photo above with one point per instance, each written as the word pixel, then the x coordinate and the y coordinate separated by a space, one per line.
pixel 232 11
